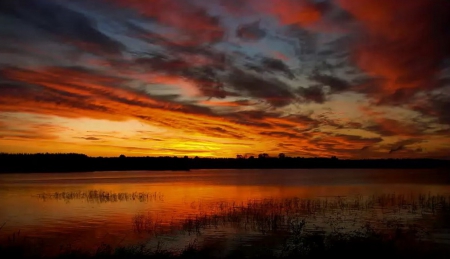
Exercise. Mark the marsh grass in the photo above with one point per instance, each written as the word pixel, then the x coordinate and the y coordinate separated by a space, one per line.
pixel 324 214
pixel 99 196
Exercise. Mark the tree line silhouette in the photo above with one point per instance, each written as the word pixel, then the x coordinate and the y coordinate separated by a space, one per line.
pixel 72 162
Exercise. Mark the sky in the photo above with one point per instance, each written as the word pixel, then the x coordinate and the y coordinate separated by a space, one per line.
pixel 217 78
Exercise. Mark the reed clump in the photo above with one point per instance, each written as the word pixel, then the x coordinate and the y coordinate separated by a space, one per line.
pixel 326 213
pixel 100 196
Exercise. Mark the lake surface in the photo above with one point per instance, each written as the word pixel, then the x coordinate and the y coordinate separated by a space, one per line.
pixel 172 209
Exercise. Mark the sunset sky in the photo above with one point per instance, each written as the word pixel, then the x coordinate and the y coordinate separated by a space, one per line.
pixel 217 78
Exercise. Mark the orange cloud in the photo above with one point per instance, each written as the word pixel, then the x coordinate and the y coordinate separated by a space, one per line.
pixel 77 93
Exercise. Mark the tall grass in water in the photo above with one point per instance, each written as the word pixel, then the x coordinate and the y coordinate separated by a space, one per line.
pixel 99 196
pixel 324 214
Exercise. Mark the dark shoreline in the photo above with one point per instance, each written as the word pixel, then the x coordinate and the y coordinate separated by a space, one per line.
pixel 48 163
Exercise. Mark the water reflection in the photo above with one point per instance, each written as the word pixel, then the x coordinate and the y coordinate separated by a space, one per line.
pixel 176 208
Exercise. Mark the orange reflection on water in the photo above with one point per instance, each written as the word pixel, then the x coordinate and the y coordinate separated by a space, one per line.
pixel 88 209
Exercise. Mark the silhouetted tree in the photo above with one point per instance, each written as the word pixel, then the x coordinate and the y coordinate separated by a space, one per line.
pixel 281 156
pixel 70 162
pixel 263 155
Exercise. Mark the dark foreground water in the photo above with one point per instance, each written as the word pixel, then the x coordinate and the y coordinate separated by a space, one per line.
pixel 174 209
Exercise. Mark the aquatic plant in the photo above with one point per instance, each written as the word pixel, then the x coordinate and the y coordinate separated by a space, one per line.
pixel 325 214
pixel 100 196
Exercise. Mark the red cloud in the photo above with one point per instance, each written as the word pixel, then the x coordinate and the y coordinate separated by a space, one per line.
pixel 402 42
pixel 302 12
pixel 193 21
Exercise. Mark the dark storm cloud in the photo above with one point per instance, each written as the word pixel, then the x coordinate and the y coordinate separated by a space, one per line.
pixel 304 42
pixel 66 24
pixel 272 90
pixel 342 144
pixel 437 106
pixel 209 82
pixel 251 31
pixel 396 149
pixel 269 65
pixel 191 20
pixel 276 65
pixel 403 145
pixel 206 77
pixel 251 118
pixel 441 107
pixel 336 84
pixel 353 138
pixel 340 16
pixel 313 93
pixel 161 62
pixel 209 78
pixel 341 44
pixel 326 53
pixel 391 127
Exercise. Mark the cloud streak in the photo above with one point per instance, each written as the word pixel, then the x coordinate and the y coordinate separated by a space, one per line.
pixel 306 78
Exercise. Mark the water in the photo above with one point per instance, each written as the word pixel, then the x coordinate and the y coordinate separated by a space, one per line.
pixel 84 210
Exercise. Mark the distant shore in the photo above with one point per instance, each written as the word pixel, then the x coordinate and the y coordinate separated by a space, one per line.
pixel 29 163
